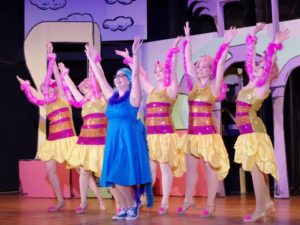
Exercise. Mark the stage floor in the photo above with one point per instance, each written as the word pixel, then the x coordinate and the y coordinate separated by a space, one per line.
pixel 19 210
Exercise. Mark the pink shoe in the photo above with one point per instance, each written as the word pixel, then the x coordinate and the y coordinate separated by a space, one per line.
pixel 81 210
pixel 119 210
pixel 163 210
pixel 56 208
pixel 255 217
pixel 208 212
pixel 186 205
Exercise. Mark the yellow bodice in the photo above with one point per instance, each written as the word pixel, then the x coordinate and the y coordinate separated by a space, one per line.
pixel 247 105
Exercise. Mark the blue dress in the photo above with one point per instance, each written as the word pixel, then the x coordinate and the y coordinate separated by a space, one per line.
pixel 126 160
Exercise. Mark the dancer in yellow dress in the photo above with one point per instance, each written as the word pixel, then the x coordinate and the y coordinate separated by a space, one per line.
pixel 88 153
pixel 253 147
pixel 61 137
pixel 202 139
pixel 162 139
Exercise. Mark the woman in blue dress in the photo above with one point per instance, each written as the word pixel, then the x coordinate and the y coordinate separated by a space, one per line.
pixel 126 161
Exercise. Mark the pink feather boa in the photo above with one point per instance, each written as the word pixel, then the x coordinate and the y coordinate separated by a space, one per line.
pixel 168 66
pixel 68 93
pixel 250 43
pixel 271 50
pixel 31 98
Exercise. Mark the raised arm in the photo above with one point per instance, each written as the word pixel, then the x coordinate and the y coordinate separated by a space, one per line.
pixel 220 58
pixel 173 88
pixel 263 84
pixel 146 85
pixel 188 53
pixel 31 93
pixel 135 94
pixel 56 73
pixel 99 73
pixel 68 85
pixel 251 51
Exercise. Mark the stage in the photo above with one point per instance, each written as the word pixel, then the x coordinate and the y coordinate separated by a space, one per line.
pixel 19 210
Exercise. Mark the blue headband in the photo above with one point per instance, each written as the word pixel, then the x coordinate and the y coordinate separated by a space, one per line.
pixel 126 72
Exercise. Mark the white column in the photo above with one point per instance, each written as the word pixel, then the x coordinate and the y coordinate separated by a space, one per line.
pixel 281 187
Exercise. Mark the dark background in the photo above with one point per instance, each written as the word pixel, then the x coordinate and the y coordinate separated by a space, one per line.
pixel 165 20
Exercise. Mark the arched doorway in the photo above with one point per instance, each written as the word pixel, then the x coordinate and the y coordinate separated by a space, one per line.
pixel 236 77
pixel 292 130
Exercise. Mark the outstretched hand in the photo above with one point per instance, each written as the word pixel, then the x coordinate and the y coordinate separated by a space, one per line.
pixel 61 66
pixel 259 27
pixel 187 29
pixel 136 46
pixel 124 54
pixel 21 81
pixel 176 42
pixel 49 48
pixel 88 51
pixel 230 34
pixel 282 36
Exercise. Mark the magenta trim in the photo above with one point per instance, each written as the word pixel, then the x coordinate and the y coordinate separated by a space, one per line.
pixel 94 126
pixel 246 128
pixel 202 130
pixel 59 121
pixel 159 129
pixel 93 115
pixel 238 102
pixel 242 114
pixel 199 114
pixel 157 104
pixel 91 140
pixel 199 103
pixel 61 135
pixel 55 112
pixel 157 115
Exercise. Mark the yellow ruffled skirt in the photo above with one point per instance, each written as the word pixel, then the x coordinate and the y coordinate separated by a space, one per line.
pixel 256 148
pixel 164 149
pixel 211 148
pixel 90 157
pixel 56 150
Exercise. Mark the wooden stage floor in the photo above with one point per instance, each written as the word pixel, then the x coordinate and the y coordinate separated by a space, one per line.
pixel 19 210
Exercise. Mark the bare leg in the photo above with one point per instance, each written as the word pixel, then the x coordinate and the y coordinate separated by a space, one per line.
pixel 212 187
pixel 191 178
pixel 260 198
pixel 212 184
pixel 83 184
pixel 167 178
pixel 269 203
pixel 126 193
pixel 153 166
pixel 53 178
pixel 119 197
pixel 94 188
pixel 259 189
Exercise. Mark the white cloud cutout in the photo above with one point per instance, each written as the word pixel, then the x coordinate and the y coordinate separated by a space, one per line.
pixel 123 2
pixel 119 23
pixel 49 4
pixel 85 17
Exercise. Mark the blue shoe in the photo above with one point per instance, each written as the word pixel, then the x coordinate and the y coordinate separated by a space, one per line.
pixel 121 215
pixel 133 212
